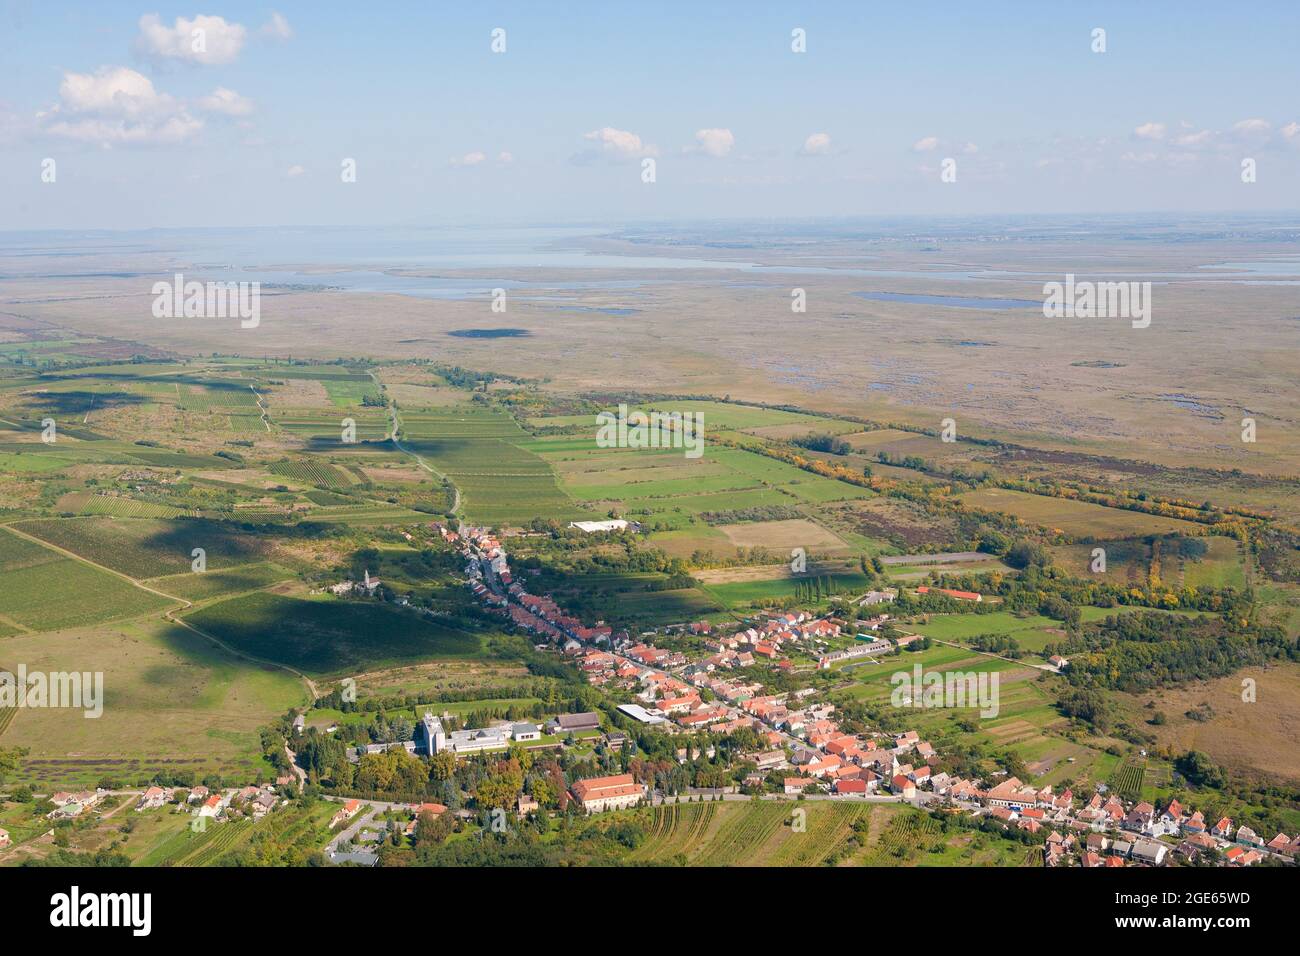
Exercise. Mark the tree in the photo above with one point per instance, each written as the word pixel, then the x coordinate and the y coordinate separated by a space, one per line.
pixel 442 765
pixel 1200 770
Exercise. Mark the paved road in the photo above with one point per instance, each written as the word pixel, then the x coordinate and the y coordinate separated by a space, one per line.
pixel 368 811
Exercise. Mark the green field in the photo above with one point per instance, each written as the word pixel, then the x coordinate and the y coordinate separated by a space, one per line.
pixel 146 548
pixel 41 590
pixel 328 636
pixel 172 700
pixel 501 482
pixel 760 833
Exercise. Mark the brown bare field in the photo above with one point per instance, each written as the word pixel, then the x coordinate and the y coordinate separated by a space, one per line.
pixel 1073 517
pixel 782 535
pixel 449 675
pixel 763 572
pixel 893 520
pixel 387 475
pixel 1259 734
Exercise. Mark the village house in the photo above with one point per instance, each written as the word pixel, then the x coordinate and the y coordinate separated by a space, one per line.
pixel 797 785
pixel 1248 836
pixel 1012 794
pixel 618 792
pixel 151 799
pixel 211 807
pixel 1140 817
pixel 345 812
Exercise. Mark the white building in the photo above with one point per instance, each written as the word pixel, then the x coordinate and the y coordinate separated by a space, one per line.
pixel 614 524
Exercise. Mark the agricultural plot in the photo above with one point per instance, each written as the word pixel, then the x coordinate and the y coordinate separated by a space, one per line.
pixel 146 548
pixel 1080 518
pixel 675 830
pixel 783 535
pixel 327 430
pixel 201 587
pixel 757 833
pixel 1127 779
pixel 365 515
pixel 234 397
pixel 908 835
pixel 746 588
pixel 118 506
pixel 172 700
pixel 734 833
pixel 320 373
pixel 898 444
pixel 10 462
pixel 1127 561
pixel 312 471
pixel 1220 567
pixel 1031 632
pixel 656 480
pixel 346 393
pixel 1022 708
pixel 50 594
pixel 324 637
pixel 826 834
pixel 218 841
pixel 500 482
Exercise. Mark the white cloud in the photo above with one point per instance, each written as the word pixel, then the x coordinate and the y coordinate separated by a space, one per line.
pixel 970 149
pixel 926 144
pixel 293 172
pixel 818 144
pixel 469 159
pixel 504 158
pixel 206 40
pixel 117 105
pixel 1291 130
pixel 620 143
pixel 715 142
pixel 1150 131
pixel 226 102
pixel 1194 140
pixel 113 89
pixel 277 28
pixel 1253 126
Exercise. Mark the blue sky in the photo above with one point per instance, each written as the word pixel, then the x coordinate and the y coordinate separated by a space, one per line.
pixel 252 130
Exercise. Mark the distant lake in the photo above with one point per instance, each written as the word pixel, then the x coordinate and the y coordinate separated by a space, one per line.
pixel 954 301
pixel 489 333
